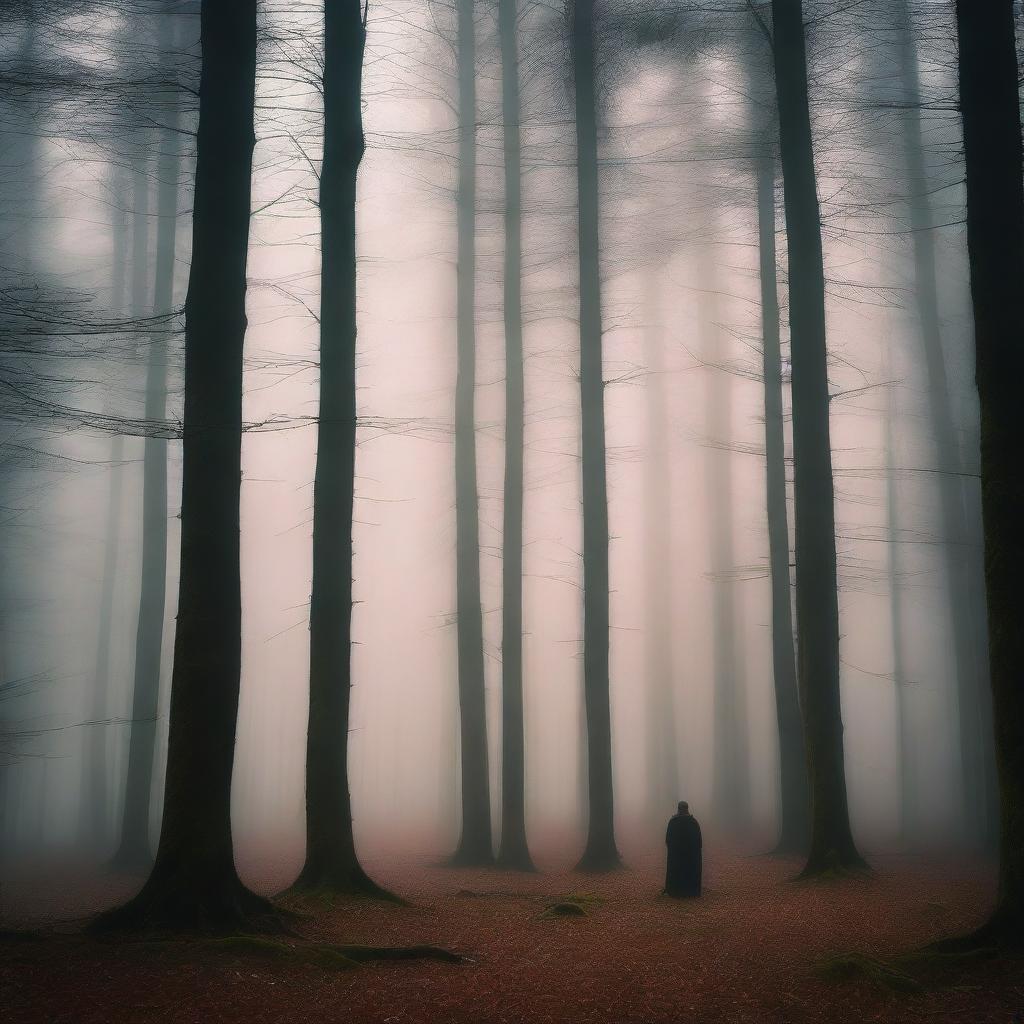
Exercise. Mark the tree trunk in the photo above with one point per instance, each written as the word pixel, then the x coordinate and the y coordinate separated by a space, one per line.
pixel 905 760
pixel 793 795
pixel 134 851
pixel 967 618
pixel 194 883
pixel 817 600
pixel 731 772
pixel 514 852
pixel 331 860
pixel 95 799
pixel 475 839
pixel 600 853
pixel 662 752
pixel 995 240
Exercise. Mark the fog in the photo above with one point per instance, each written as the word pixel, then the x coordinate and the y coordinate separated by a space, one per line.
pixel 86 115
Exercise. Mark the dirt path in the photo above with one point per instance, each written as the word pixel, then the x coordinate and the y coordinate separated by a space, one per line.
pixel 749 951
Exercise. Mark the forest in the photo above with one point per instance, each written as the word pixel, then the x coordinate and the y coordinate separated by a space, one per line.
pixel 510 511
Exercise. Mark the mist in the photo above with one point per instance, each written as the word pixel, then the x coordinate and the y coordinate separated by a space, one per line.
pixel 688 326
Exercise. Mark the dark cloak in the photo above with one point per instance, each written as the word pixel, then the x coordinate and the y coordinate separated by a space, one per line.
pixel 684 864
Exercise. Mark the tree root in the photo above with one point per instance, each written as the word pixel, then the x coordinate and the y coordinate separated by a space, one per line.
pixel 571 906
pixel 857 967
pixel 325 954
pixel 905 972
pixel 564 910
pixel 168 908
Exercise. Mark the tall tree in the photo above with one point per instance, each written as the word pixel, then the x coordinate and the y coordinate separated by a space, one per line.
pixel 659 670
pixel 963 574
pixel 134 850
pixel 193 882
pixel 731 772
pixel 331 860
pixel 514 851
pixel 817 600
pixel 907 807
pixel 94 799
pixel 793 796
pixel 600 852
pixel 989 103
pixel 475 838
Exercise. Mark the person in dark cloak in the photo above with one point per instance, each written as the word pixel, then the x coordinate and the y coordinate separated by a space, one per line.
pixel 684 862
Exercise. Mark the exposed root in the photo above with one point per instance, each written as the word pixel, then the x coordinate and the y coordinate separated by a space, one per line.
pixel 573 905
pixel 564 910
pixel 302 899
pixel 225 907
pixel 329 884
pixel 327 955
pixel 857 967
pixel 833 868
pixel 364 954
pixel 254 946
pixel 472 894
pixel 1002 932
pixel 905 972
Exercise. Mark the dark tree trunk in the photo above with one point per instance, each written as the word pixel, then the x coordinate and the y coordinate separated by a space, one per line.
pixel 817 600
pixel 331 860
pixel 662 752
pixel 793 796
pixel 600 853
pixel 194 883
pixel 963 571
pixel 134 851
pixel 514 852
pixel 995 240
pixel 475 839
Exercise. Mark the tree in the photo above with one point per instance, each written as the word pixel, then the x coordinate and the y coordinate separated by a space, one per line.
pixel 514 851
pixel 600 853
pixel 990 109
pixel 731 772
pixel 793 796
pixel 659 670
pixel 907 806
pixel 966 617
pixel 193 882
pixel 331 860
pixel 475 838
pixel 817 603
pixel 134 850
pixel 94 796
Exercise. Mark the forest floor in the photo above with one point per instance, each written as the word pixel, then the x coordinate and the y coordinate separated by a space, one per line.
pixel 757 947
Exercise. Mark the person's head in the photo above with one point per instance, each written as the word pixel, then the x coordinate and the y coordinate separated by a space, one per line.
pixel 684 807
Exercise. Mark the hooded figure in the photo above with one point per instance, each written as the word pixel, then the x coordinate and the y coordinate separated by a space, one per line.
pixel 683 869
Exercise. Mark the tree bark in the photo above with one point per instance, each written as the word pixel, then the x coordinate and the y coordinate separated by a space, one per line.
pixel 963 573
pixel 475 838
pixel 731 765
pixel 600 852
pixel 793 795
pixel 194 883
pixel 514 851
pixel 134 850
pixel 817 600
pixel 995 239
pixel 659 670
pixel 94 804
pixel 331 860
pixel 905 759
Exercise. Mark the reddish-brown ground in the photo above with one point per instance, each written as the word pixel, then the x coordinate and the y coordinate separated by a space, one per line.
pixel 749 951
